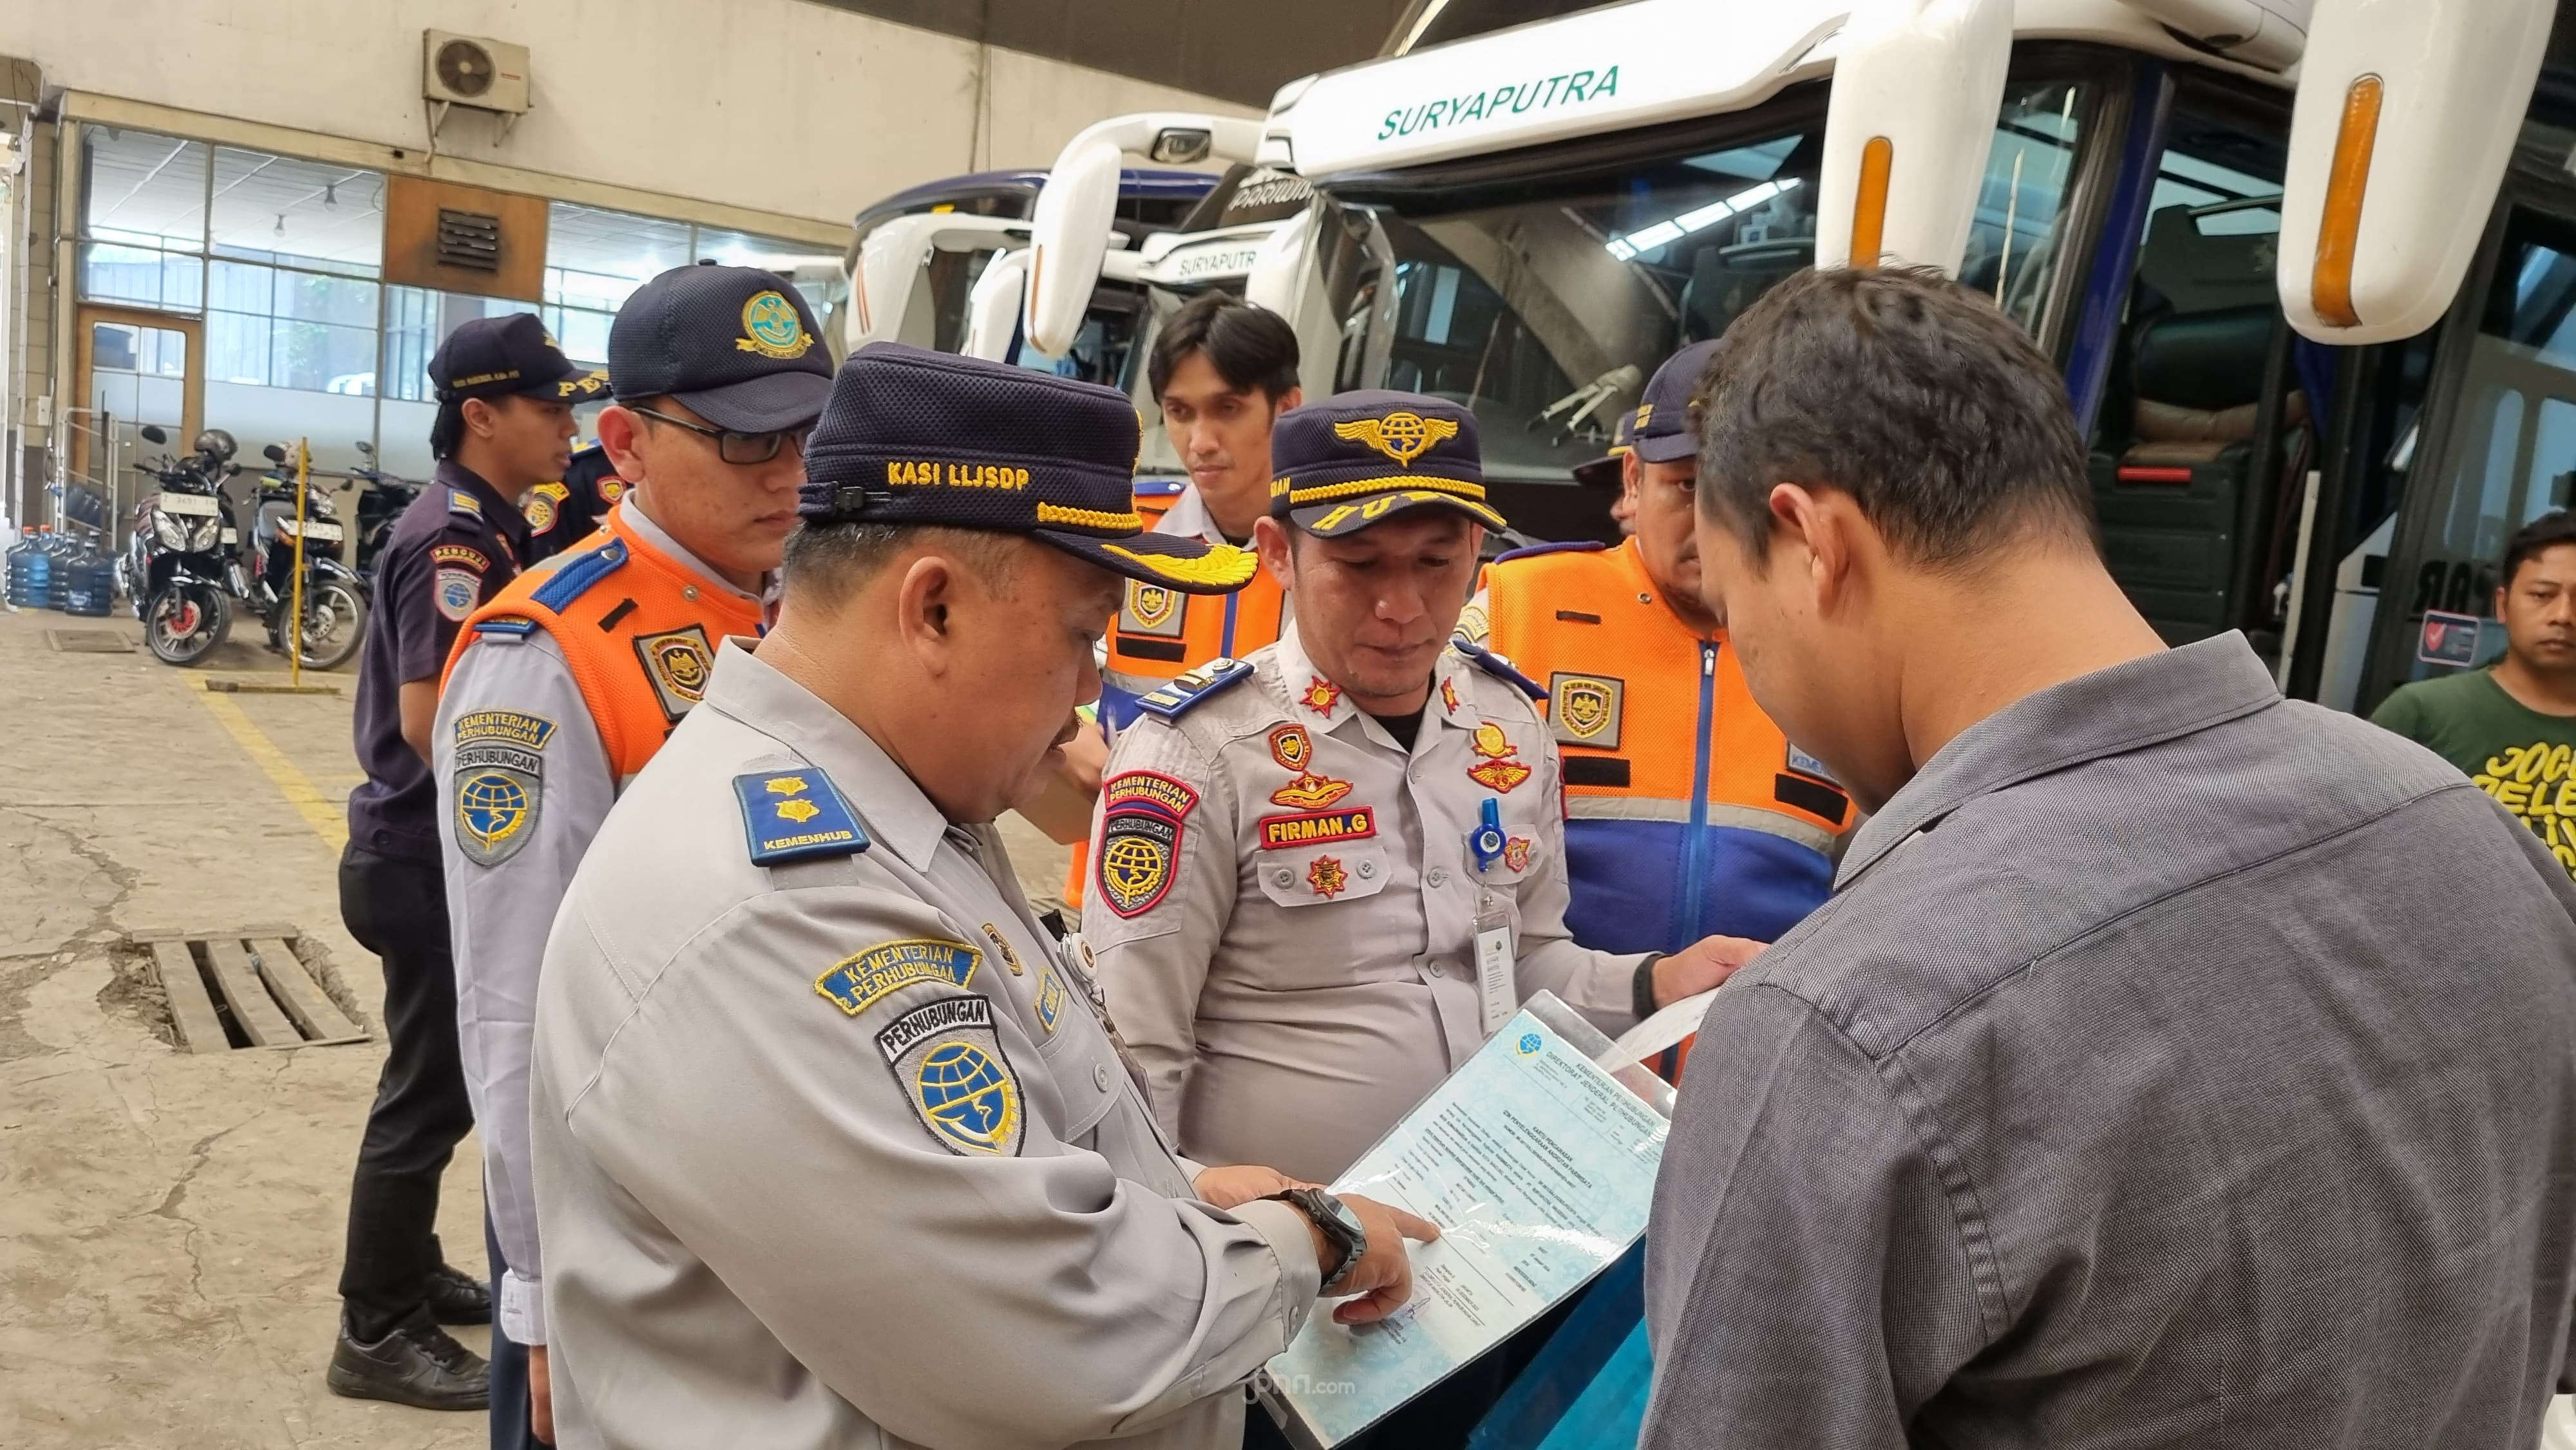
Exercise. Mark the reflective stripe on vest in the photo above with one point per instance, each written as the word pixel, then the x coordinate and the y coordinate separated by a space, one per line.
pixel 1666 760
pixel 637 643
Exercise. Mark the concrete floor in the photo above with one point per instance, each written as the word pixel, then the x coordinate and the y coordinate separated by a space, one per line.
pixel 171 1225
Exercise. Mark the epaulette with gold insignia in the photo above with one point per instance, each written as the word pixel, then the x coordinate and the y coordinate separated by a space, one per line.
pixel 1187 690
pixel 1500 668
pixel 795 814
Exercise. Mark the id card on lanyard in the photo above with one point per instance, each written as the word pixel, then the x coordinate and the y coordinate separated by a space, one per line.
pixel 1497 995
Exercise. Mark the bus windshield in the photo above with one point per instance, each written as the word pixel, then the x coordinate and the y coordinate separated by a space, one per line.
pixel 1546 311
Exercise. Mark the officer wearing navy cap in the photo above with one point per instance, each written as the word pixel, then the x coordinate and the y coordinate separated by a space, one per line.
pixel 832 1146
pixel 1297 964
pixel 1295 952
pixel 567 682
pixel 505 398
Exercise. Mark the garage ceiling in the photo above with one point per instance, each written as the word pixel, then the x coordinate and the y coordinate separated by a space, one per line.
pixel 1221 48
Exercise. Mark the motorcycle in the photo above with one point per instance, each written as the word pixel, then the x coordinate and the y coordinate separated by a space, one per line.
pixel 380 507
pixel 334 599
pixel 175 568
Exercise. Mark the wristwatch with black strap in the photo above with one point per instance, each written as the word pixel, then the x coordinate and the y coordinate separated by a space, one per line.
pixel 1339 1226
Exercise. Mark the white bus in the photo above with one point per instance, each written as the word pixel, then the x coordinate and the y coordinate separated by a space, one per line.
pixel 1526 210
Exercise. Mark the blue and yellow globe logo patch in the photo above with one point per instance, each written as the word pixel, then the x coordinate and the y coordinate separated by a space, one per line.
pixel 1530 1043
pixel 968 1097
pixel 772 329
pixel 491 808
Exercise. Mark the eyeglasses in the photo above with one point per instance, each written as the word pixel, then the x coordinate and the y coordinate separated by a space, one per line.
pixel 733 447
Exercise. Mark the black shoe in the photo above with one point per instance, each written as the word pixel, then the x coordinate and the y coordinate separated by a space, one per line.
pixel 417 1364
pixel 456 1299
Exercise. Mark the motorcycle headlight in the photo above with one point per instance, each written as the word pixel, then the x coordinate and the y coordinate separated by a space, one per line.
pixel 202 533
pixel 170 529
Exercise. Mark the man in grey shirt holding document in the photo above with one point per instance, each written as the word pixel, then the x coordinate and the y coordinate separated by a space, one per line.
pixel 2174 1065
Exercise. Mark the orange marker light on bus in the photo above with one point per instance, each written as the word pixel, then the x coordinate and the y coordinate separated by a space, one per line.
pixel 2339 230
pixel 1869 207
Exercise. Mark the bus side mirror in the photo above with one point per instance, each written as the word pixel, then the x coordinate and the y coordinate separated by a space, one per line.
pixel 1916 89
pixel 1069 235
pixel 1069 231
pixel 2405 118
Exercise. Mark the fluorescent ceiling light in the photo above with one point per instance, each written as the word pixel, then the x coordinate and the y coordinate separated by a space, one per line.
pixel 1647 239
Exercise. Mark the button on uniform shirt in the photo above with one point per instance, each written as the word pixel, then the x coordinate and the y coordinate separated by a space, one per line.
pixel 1301 968
pixel 458 543
pixel 501 901
pixel 834 1151
pixel 2175 1066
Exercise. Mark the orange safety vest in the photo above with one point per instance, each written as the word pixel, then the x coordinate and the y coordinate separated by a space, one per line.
pixel 637 628
pixel 1688 813
pixel 1161 632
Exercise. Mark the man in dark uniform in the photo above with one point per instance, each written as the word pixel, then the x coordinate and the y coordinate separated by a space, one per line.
pixel 505 400
pixel 568 510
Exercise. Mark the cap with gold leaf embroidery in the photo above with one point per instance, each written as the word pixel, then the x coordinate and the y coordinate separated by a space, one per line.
pixel 1357 459
pixel 912 436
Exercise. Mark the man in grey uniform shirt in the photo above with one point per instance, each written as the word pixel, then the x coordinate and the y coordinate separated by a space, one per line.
pixel 831 1146
pixel 2174 1065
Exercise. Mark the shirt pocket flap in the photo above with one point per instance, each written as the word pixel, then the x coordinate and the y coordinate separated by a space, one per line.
pixel 1314 875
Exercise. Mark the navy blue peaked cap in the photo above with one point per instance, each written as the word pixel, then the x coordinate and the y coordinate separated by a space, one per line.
pixel 911 436
pixel 1356 459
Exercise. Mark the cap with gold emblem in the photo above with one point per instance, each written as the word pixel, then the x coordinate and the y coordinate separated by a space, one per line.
pixel 735 345
pixel 1357 459
pixel 499 357
pixel 919 437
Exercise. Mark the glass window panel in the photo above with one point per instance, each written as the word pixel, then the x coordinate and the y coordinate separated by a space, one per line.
pixel 816 270
pixel 143 189
pixel 582 334
pixel 2011 242
pixel 302 213
pixel 239 287
pixel 112 272
pixel 237 348
pixel 2553 453
pixel 311 298
pixel 321 358
pixel 595 257
pixel 416 321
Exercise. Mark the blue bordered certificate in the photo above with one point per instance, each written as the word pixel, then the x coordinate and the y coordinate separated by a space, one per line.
pixel 1539 1167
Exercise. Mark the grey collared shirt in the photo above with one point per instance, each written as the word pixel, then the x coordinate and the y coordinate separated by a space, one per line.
pixel 2175 1066
pixel 835 1152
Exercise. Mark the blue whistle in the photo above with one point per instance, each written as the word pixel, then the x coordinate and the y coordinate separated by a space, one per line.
pixel 1487 839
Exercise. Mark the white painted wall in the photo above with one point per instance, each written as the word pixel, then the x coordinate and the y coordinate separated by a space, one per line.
pixel 780 105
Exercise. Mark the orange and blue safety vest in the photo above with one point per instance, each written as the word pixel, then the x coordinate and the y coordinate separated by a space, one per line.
pixel 638 630
pixel 1688 812
pixel 1160 633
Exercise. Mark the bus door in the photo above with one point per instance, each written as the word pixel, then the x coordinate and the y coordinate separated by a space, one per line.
pixel 2495 445
pixel 2206 422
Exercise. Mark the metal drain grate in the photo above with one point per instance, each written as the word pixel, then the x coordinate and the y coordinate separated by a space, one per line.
pixel 243 988
pixel 89 642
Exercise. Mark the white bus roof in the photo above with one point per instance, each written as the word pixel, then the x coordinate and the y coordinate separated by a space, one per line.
pixel 1612 69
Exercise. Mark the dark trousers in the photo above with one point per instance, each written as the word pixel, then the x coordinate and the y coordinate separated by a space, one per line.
pixel 510 1427
pixel 398 910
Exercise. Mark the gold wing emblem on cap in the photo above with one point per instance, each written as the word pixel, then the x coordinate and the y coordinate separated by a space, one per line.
pixel 1403 437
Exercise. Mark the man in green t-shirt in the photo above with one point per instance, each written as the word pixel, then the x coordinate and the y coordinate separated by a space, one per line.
pixel 2512 727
